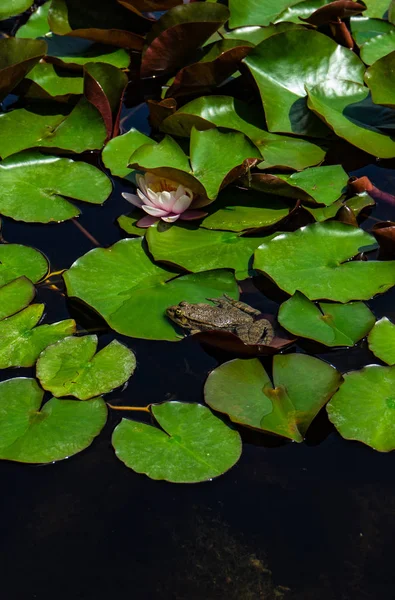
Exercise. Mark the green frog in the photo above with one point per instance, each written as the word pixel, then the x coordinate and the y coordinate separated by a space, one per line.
pixel 226 315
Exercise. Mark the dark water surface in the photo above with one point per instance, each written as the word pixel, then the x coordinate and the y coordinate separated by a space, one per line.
pixel 317 518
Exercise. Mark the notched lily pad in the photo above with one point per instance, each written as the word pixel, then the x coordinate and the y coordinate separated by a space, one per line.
pixel 71 367
pixel 57 430
pixel 301 387
pixel 381 341
pixel 193 445
pixel 17 261
pixel 15 295
pixel 364 407
pixel 117 152
pixel 327 323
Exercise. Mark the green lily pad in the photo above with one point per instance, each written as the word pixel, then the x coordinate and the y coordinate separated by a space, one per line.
pixel 15 295
pixel 37 24
pixel 321 185
pixel 313 261
pixel 61 428
pixel 201 249
pixel 380 77
pixel 285 63
pixel 71 367
pixel 363 408
pixel 377 47
pixel 17 58
pixel 329 324
pixel 256 34
pixel 52 126
pixel 45 181
pixel 253 12
pixel 18 261
pixel 381 341
pixel 364 29
pixel 300 10
pixel 128 224
pixel 376 8
pixel 347 109
pixel 239 210
pixel 54 82
pixel 132 293
pixel 356 203
pixel 301 387
pixel 11 8
pixel 193 445
pixel 225 111
pixel 21 341
pixel 117 152
pixel 72 52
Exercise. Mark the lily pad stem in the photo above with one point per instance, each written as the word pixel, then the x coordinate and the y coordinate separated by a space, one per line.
pixel 137 408
pixel 86 233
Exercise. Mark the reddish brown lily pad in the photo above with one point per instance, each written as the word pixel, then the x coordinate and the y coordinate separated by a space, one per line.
pixel 159 111
pixel 17 57
pixel 363 184
pixel 384 233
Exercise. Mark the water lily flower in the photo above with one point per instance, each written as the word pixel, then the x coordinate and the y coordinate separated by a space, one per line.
pixel 162 198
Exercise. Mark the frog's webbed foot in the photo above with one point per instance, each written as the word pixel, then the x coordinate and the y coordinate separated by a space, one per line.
pixel 260 331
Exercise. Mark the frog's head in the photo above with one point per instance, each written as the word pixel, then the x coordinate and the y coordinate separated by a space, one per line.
pixel 179 314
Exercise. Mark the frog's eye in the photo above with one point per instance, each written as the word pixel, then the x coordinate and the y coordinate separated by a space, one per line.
pixel 178 312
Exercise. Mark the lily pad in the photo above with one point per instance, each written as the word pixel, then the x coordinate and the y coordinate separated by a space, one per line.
pixel 300 10
pixel 376 8
pixel 363 408
pixel 117 152
pixel 15 295
pixel 21 341
pixel 54 82
pixel 132 293
pixel 313 261
pixel 251 12
pixel 364 29
pixel 193 445
pixel 52 126
pixel 201 250
pixel 44 182
pixel 37 24
pixel 73 52
pixel 382 341
pixel 329 324
pixel 72 367
pixel 284 64
pixel 301 387
pixel 225 111
pixel 57 430
pixel 17 58
pixel 357 204
pixel 18 261
pixel 377 47
pixel 11 8
pixel 380 77
pixel 351 114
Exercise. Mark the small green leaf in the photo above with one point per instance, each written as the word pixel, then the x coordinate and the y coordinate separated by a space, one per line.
pixel 356 204
pixel 363 408
pixel 37 24
pixel 253 12
pixel 61 428
pixel 380 77
pixel 376 9
pixel 71 367
pixel 21 341
pixel 72 51
pixel 15 296
pixel 54 82
pixel 118 151
pixel 193 446
pixel 364 29
pixel 382 341
pixel 11 8
pixel 301 387
pixel 330 324
pixel 378 47
pixel 35 187
pixel 17 261
pixel 313 261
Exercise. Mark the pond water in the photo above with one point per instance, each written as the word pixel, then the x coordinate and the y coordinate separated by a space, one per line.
pixel 290 520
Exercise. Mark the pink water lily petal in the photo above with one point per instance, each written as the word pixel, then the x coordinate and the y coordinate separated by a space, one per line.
pixel 154 211
pixel 144 198
pixel 181 204
pixel 166 201
pixel 147 221
pixel 133 199
pixel 153 197
pixel 189 215
pixel 141 183
pixel 170 218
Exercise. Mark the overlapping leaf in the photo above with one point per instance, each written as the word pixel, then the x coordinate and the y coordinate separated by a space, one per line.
pixel 17 58
pixel 18 261
pixel 382 341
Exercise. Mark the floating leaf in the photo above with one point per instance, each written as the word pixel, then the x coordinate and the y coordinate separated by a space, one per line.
pixel 312 260
pixel 71 52
pixel 11 8
pixel 17 58
pixel 201 250
pixel 175 37
pixel 347 109
pixel 132 293
pixel 37 24
pixel 21 341
pixel 34 187
pixel 128 224
pixel 285 63
pixel 300 10
pixel 117 152
pixel 14 296
pixel 380 77
pixel 58 430
pixel 382 341
pixel 224 111
pixel 52 126
pixel 301 387
pixel 251 12
pixel 377 47
pixel 72 368
pixel 193 445
pixel 376 8
pixel 255 34
pixel 322 185
pixel 18 261
pixel 334 11
pixel 363 408
pixel 54 82
pixel 329 324
pixel 364 29
pixel 356 204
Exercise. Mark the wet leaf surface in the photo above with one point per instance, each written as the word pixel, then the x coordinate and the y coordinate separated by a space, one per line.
pixel 377 47
pixel 382 341
pixel 21 261
pixel 380 77
pixel 193 445
pixel 37 24
pixel 15 295
pixel 253 12
pixel 118 151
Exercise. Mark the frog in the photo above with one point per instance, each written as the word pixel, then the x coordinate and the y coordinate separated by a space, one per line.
pixel 225 314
